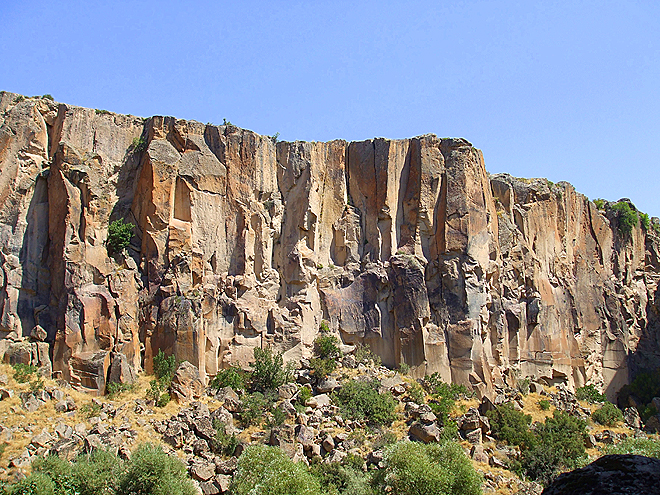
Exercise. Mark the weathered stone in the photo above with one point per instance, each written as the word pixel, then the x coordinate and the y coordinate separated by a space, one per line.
pixel 186 383
pixel 425 433
pixel 631 417
pixel 202 471
pixel 319 401
pixel 327 385
pixel 611 474
pixel 121 370
pixel 407 246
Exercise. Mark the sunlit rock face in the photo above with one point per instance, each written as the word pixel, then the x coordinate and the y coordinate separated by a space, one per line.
pixel 409 246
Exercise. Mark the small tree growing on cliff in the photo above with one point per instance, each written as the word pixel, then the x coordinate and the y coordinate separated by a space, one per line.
pixel 119 235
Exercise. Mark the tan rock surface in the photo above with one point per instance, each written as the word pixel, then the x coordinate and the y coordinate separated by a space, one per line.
pixel 241 242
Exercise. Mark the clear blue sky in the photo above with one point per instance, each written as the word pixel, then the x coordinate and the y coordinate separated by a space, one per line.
pixel 567 90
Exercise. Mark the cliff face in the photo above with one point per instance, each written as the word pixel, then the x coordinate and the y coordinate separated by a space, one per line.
pixel 406 245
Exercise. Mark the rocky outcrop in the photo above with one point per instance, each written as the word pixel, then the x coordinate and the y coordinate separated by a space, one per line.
pixel 240 241
pixel 610 475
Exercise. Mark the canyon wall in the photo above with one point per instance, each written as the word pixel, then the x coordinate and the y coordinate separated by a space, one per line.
pixel 408 246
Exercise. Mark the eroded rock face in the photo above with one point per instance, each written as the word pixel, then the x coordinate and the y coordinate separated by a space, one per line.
pixel 239 242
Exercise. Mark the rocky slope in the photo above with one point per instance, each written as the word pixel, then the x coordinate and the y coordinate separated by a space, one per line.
pixel 240 241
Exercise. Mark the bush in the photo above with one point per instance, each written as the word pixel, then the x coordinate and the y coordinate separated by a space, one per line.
pixel 321 367
pixel 119 236
pixel 590 394
pixel 558 445
pixel 114 389
pixel 139 144
pixel 23 372
pixel 159 393
pixel 253 407
pixel 152 471
pixel 523 386
pixel 645 386
pixel 645 220
pixel 637 446
pixel 269 371
pixel 413 468
pixel 266 470
pixel 164 367
pixel 325 346
pixel 223 443
pixel 364 355
pixel 544 404
pixel 303 396
pixel 149 471
pixel 231 377
pixel 339 479
pixel 599 203
pixel 444 396
pixel 361 400
pixel 511 426
pixel 626 216
pixel 608 415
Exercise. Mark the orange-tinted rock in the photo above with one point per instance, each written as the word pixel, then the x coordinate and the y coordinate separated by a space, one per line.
pixel 241 242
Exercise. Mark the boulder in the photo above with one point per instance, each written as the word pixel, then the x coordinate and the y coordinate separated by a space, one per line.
pixel 186 383
pixel 610 475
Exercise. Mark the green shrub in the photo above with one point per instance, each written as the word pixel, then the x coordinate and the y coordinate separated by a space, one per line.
pixel 303 396
pixel 34 484
pixel 159 393
pixel 321 367
pixel 223 443
pixel 599 203
pixel 345 478
pixel 361 400
pixel 637 446
pixel 544 404
pixel 523 386
pixel 253 407
pixel 364 355
pixel 266 470
pixel 511 426
pixel 626 216
pixel 233 377
pixel 23 372
pixel 404 368
pixel 558 445
pixel 101 112
pixel 644 387
pixel 164 367
pixel 645 220
pixel 139 144
pixel 91 409
pixel 325 346
pixel 590 394
pixel 152 471
pixel 416 393
pixel 269 371
pixel 119 236
pixel 608 415
pixel 444 396
pixel 414 469
pixel 48 96
pixel 114 389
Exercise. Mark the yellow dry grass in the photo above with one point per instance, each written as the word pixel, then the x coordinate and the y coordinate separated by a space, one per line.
pixel 12 415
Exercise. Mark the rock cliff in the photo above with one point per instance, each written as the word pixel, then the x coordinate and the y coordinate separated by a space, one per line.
pixel 240 241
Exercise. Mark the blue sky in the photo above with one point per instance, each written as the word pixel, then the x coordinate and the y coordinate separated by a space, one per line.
pixel 567 90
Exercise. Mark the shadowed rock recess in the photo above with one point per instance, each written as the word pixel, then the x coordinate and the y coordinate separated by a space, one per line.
pixel 240 241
